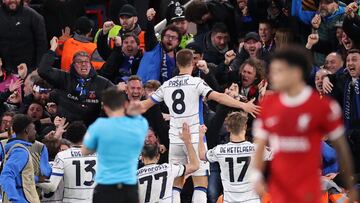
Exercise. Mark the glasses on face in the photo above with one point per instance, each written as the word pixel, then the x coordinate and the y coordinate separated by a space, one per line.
pixel 82 62
pixel 170 37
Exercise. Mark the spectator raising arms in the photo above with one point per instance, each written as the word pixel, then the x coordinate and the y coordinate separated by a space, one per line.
pixel 78 95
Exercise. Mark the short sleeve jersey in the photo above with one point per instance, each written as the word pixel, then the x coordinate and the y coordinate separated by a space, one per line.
pixel 118 142
pixel 78 174
pixel 183 96
pixel 156 182
pixel 234 160
pixel 295 127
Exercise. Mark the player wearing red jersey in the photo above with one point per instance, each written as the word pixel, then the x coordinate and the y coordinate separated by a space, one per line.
pixel 293 122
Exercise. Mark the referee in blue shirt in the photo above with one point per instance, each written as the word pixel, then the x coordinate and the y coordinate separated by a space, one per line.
pixel 118 141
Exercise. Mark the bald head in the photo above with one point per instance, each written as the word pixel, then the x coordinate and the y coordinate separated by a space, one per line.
pixel 333 62
pixel 320 74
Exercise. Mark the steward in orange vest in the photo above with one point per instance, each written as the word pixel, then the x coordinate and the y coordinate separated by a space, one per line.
pixel 81 42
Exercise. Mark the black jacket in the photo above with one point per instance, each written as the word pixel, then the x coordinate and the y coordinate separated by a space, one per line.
pixel 22 37
pixel 211 53
pixel 70 104
pixel 111 70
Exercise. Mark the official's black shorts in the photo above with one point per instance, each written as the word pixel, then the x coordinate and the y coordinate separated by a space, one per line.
pixel 119 193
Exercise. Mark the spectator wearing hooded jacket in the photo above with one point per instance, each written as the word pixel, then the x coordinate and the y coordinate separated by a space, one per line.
pixel 78 91
pixel 22 35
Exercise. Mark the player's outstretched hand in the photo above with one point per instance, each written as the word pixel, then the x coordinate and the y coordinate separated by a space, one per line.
pixel 251 108
pixel 185 133
pixel 327 85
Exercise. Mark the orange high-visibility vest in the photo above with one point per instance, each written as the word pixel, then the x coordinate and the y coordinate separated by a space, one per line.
pixel 71 46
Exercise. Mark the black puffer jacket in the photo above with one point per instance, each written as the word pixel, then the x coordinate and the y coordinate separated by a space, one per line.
pixel 22 37
pixel 70 104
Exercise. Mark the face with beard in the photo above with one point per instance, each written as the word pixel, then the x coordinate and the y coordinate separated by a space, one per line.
pixel 128 22
pixel 353 64
pixel 170 40
pixel 182 25
pixel 12 5
pixel 252 47
pixel 130 47
pixel 326 9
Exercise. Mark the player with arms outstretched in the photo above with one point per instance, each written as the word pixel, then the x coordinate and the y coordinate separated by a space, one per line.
pixel 183 96
pixel 155 180
pixel 293 121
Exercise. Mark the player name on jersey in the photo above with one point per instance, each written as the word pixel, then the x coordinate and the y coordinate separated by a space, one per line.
pixel 178 82
pixel 155 168
pixel 236 150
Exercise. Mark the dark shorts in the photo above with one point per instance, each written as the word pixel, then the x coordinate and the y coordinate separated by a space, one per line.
pixel 119 193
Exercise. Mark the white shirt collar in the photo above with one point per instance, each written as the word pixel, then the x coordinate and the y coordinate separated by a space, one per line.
pixel 297 100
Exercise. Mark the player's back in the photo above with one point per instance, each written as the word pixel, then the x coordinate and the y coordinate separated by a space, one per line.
pixel 156 182
pixel 234 159
pixel 183 96
pixel 79 174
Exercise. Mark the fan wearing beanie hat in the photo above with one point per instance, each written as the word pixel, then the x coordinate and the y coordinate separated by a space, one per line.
pixel 175 15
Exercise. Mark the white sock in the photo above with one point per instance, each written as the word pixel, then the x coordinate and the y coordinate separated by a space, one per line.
pixel 199 195
pixel 176 195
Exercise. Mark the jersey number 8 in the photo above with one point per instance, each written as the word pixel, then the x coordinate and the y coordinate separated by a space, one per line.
pixel 178 105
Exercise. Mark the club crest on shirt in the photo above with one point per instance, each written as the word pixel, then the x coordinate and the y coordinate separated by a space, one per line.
pixel 303 122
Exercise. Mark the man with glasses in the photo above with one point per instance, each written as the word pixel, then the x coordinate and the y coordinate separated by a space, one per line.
pixel 78 91
pixel 158 62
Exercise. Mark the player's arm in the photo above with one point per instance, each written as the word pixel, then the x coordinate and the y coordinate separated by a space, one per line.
pixel 86 151
pixel 201 145
pixel 53 183
pixel 226 100
pixel 193 164
pixel 346 165
pixel 146 104
pixel 56 176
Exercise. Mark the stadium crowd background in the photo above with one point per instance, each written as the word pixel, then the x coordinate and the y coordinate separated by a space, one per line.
pixel 236 38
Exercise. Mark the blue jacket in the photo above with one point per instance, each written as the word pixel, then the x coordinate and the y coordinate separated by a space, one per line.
pixel 307 16
pixel 329 157
pixel 10 178
pixel 150 65
pixel 45 168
